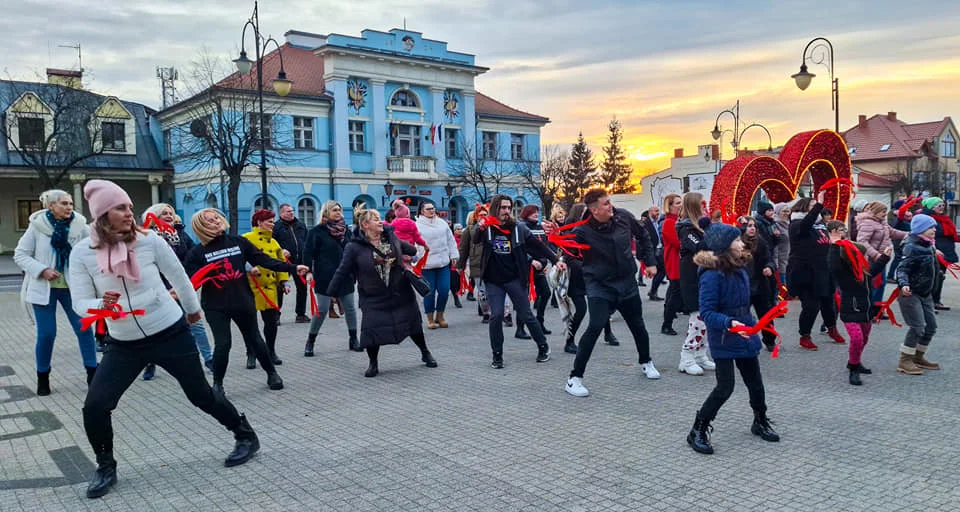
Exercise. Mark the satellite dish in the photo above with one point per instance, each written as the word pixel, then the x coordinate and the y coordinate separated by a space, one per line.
pixel 198 128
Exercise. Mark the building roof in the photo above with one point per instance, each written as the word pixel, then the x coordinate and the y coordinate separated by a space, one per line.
pixel 883 138
pixel 302 66
pixel 487 106
pixel 874 180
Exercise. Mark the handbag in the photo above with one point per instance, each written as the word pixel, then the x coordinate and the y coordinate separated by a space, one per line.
pixel 419 283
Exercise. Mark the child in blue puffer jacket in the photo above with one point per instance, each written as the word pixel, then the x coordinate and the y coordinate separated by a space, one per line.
pixel 725 303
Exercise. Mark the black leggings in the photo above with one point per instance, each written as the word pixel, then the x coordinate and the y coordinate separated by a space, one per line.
pixel 750 372
pixel 761 305
pixel 418 340
pixel 810 305
pixel 579 312
pixel 542 287
pixel 600 310
pixel 270 318
pixel 219 322
pixel 172 349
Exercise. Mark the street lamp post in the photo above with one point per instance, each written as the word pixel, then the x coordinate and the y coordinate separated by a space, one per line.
pixel 804 77
pixel 769 137
pixel 281 85
pixel 735 112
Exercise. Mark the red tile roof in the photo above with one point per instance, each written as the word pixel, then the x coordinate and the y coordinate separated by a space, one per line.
pixel 485 105
pixel 905 140
pixel 302 66
pixel 869 179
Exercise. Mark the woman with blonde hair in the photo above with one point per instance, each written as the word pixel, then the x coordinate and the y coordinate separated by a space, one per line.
pixel 43 253
pixel 322 252
pixel 693 353
pixel 673 302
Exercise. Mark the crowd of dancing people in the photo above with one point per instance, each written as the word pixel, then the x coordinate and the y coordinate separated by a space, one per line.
pixel 129 287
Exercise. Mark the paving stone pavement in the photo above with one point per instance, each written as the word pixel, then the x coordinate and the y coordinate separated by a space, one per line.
pixel 466 437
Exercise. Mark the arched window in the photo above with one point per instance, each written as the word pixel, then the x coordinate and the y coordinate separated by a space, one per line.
pixel 405 98
pixel 211 201
pixel 307 211
pixel 518 205
pixel 270 205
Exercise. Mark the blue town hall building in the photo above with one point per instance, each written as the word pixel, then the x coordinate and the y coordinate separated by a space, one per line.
pixel 368 120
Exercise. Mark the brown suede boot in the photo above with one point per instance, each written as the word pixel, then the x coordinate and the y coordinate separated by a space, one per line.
pixel 922 363
pixel 907 365
pixel 430 323
pixel 441 321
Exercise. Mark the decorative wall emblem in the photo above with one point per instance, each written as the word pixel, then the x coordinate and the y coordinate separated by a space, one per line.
pixel 451 105
pixel 357 93
pixel 408 43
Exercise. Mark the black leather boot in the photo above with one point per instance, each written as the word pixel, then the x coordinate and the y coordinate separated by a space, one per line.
pixel 521 333
pixel 308 348
pixel 609 337
pixel 91 371
pixel 854 375
pixel 354 342
pixel 43 383
pixel 373 369
pixel 272 353
pixel 571 346
pixel 105 477
pixel 251 361
pixel 428 359
pixel 761 427
pixel 274 381
pixel 699 436
pixel 246 444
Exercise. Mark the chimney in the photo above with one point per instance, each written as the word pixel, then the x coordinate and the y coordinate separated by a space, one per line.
pixel 862 123
pixel 65 77
pixel 678 153
pixel 892 116
pixel 715 154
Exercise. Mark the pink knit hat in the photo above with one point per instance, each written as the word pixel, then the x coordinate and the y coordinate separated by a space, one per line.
pixel 103 195
pixel 401 210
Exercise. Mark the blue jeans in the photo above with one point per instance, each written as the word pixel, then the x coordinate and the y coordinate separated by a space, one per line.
pixel 323 306
pixel 46 317
pixel 199 333
pixel 439 279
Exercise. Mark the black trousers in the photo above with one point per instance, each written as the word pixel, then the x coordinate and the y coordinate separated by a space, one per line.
pixel 661 275
pixel 219 322
pixel 810 305
pixel 761 305
pixel 631 309
pixel 172 349
pixel 418 339
pixel 542 287
pixel 938 284
pixel 301 306
pixel 579 313
pixel 750 372
pixel 270 318
pixel 673 303
pixel 497 296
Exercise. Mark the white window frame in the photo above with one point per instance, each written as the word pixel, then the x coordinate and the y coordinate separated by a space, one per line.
pixel 516 146
pixel 307 210
pixel 409 95
pixel 489 145
pixel 43 132
pixel 123 137
pixel 410 134
pixel 451 147
pixel 357 130
pixel 267 134
pixel 303 132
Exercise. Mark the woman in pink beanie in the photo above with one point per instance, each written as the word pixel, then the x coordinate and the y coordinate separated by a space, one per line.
pixel 118 268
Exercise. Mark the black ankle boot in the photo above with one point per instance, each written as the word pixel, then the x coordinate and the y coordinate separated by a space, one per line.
pixel 544 328
pixel 272 353
pixel 456 301
pixel 373 369
pixel 91 371
pixel 246 444
pixel 274 382
pixel 354 342
pixel 699 436
pixel 251 362
pixel 863 370
pixel 43 383
pixel 611 339
pixel 854 375
pixel 308 348
pixel 521 334
pixel 105 477
pixel 570 347
pixel 668 330
pixel 761 427
pixel 428 359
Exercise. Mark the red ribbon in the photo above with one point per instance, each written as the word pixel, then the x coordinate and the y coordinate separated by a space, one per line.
pixel 302 279
pixel 161 225
pixel 836 299
pixel 465 285
pixel 263 294
pixel 533 289
pixel 782 293
pixel 885 308
pixel 906 206
pixel 837 182
pixel 418 268
pixel 765 323
pixel 314 309
pixel 492 221
pixel 951 267
pixel 200 277
pixel 99 316
pixel 727 218
pixel 568 240
pixel 857 260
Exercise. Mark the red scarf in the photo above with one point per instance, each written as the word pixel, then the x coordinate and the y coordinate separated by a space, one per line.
pixel 949 228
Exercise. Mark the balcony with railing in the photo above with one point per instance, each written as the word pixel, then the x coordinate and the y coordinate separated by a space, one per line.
pixel 412 167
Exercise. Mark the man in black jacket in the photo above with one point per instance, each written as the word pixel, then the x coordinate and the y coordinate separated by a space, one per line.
pixel 291 234
pixel 530 215
pixel 652 225
pixel 609 271
pixel 505 271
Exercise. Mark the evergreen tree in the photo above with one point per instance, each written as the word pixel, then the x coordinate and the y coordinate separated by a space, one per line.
pixel 615 172
pixel 579 172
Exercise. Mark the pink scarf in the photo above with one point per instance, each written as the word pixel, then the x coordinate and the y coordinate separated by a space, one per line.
pixel 116 259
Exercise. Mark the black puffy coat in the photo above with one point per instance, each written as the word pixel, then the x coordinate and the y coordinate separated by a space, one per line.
pixel 919 267
pixel 809 245
pixel 390 311
pixel 761 285
pixel 609 267
pixel 691 242
pixel 322 253
pixel 855 296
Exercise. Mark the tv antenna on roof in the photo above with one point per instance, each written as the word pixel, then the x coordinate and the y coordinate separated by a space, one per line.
pixel 79 52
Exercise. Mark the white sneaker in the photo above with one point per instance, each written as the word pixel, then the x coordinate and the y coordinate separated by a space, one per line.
pixel 688 363
pixel 575 387
pixel 650 370
pixel 704 361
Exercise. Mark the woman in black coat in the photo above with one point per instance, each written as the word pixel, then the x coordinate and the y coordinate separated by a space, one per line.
pixel 693 353
pixel 806 275
pixel 763 286
pixel 322 252
pixel 390 312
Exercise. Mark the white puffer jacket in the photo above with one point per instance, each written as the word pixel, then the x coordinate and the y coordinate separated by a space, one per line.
pixel 155 256
pixel 437 234
pixel 34 254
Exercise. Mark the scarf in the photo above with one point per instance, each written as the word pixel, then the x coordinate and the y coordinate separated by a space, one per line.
pixel 59 240
pixel 949 229
pixel 337 229
pixel 116 259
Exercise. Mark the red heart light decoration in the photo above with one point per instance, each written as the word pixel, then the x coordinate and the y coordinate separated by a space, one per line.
pixel 822 153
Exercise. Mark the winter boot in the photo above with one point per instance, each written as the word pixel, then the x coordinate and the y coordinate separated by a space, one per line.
pixel 922 362
pixel 521 333
pixel 308 348
pixel 430 323
pixel 703 359
pixel 688 363
pixel 609 337
pixel 907 365
pixel 807 342
pixel 428 359
pixel 854 375
pixel 274 382
pixel 571 346
pixel 761 427
pixel 373 369
pixel 272 353
pixel 863 370
pixel 456 301
pixel 332 313
pixel 354 342
pixel 91 371
pixel 43 383
pixel 251 361
pixel 105 477
pixel 668 330
pixel 441 321
pixel 699 436
pixel 246 444
pixel 835 335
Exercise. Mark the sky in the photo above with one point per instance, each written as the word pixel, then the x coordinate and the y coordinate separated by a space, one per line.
pixel 663 69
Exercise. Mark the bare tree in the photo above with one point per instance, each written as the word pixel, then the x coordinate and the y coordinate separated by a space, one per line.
pixel 51 128
pixel 482 169
pixel 546 176
pixel 222 132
